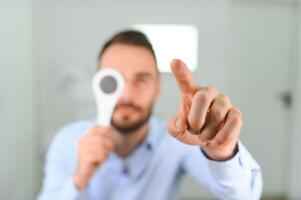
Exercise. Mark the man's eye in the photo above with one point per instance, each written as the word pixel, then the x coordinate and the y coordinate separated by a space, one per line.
pixel 141 81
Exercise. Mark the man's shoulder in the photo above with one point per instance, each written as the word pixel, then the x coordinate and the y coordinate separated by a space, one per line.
pixel 74 130
pixel 78 126
pixel 63 143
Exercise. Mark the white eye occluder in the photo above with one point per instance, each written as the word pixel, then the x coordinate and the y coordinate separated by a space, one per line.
pixel 107 86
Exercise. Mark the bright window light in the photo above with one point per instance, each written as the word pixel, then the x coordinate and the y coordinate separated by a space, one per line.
pixel 172 41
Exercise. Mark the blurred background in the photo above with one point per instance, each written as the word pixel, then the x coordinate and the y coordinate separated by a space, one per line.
pixel 249 49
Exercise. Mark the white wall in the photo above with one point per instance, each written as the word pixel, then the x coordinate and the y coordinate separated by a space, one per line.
pixel 16 101
pixel 260 70
pixel 59 37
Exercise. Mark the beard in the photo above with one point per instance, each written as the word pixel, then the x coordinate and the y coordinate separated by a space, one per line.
pixel 134 126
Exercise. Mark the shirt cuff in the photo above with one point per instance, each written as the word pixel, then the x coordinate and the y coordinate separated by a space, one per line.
pixel 234 154
pixel 242 158
pixel 238 177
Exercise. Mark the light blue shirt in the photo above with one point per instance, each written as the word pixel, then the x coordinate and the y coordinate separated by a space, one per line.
pixel 152 171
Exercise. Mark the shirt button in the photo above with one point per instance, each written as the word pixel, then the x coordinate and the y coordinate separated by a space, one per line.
pixel 125 170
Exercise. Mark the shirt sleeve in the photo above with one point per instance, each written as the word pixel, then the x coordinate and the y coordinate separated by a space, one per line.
pixel 57 183
pixel 237 178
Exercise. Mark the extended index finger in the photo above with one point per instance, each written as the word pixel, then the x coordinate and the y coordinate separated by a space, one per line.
pixel 183 76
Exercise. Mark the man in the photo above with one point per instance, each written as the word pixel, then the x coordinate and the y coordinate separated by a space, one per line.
pixel 136 158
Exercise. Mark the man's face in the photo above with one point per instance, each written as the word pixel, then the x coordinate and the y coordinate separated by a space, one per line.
pixel 142 85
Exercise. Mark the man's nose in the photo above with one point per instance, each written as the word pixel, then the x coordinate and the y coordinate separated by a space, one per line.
pixel 127 93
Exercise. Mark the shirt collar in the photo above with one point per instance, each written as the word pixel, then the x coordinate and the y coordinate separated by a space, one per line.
pixel 135 164
pixel 155 132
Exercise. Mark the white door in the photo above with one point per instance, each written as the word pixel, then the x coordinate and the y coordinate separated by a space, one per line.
pixel 259 81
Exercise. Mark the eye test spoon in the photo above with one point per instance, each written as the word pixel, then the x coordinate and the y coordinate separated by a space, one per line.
pixel 107 86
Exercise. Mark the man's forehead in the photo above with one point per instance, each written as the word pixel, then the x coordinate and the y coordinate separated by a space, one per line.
pixel 136 71
pixel 129 59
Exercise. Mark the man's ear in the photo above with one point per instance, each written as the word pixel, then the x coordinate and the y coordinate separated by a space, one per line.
pixel 158 92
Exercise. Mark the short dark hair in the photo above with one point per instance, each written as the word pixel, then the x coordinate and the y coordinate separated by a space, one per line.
pixel 132 37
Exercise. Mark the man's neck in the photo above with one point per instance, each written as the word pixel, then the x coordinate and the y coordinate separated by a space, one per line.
pixel 127 143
